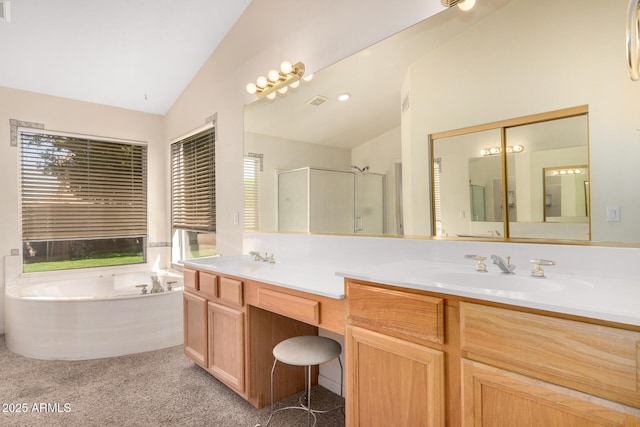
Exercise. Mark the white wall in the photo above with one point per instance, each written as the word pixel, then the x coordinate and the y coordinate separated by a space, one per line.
pixel 270 31
pixel 564 54
pixel 83 118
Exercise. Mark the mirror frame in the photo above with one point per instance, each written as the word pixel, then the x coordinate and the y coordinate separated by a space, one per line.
pixel 502 126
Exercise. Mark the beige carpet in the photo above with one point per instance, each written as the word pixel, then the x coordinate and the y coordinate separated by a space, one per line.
pixel 158 388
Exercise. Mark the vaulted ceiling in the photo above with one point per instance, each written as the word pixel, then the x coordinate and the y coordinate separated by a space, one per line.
pixel 138 55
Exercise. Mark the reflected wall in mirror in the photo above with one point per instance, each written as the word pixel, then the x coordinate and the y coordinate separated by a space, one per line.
pixel 455 70
pixel 512 158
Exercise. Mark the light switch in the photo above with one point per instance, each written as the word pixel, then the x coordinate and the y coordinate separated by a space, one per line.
pixel 613 213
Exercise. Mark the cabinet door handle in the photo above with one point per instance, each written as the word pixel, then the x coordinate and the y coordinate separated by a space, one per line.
pixel 633 41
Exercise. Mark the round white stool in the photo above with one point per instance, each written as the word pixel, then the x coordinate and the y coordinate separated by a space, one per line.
pixel 306 351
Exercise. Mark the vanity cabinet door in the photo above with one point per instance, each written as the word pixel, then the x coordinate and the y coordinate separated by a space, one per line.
pixel 195 328
pixel 494 397
pixel 392 382
pixel 226 345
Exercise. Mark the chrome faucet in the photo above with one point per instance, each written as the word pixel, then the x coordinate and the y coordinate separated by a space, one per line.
pixel 156 286
pixel 506 267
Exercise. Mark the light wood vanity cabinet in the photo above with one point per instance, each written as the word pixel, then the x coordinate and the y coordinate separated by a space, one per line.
pixel 393 376
pixel 446 360
pixel 214 339
pixel 195 328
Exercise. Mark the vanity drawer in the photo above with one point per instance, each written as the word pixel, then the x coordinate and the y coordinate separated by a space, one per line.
pixel 595 359
pixel 411 316
pixel 208 283
pixel 190 279
pixel 231 291
pixel 299 308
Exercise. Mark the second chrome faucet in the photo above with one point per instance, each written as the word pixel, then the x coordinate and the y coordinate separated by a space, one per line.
pixel 506 267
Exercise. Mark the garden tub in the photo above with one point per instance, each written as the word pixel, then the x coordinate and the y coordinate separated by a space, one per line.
pixel 93 317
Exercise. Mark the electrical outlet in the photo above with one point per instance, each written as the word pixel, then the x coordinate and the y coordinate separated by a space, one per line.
pixel 613 213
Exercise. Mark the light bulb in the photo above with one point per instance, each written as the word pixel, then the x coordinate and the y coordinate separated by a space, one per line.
pixel 274 75
pixel 466 5
pixel 283 90
pixel 343 97
pixel 262 82
pixel 272 95
pixel 252 88
pixel 307 78
pixel 286 67
pixel 295 84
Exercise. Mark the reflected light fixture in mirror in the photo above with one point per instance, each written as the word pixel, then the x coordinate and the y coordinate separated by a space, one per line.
pixel 463 5
pixel 494 151
pixel 288 76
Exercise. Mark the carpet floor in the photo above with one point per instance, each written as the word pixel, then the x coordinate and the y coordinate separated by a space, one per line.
pixel 157 388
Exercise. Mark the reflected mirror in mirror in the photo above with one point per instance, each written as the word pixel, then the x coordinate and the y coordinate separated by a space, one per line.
pixel 554 145
pixel 566 194
pixel 470 166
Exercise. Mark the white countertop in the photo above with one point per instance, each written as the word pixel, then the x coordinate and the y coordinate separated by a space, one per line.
pixel 616 300
pixel 314 277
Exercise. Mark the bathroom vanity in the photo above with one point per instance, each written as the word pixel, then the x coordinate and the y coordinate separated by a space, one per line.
pixel 422 358
pixel 416 355
pixel 231 325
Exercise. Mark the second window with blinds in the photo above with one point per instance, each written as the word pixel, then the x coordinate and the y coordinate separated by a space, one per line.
pixel 193 196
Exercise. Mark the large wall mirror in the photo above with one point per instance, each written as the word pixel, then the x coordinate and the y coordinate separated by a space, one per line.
pixel 453 71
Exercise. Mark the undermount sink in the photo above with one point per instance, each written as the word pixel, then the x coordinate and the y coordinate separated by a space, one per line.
pixel 519 282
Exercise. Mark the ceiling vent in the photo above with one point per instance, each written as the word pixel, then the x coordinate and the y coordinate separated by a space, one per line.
pixel 317 100
pixel 5 11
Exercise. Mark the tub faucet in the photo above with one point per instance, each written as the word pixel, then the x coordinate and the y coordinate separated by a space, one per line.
pixel 506 267
pixel 156 286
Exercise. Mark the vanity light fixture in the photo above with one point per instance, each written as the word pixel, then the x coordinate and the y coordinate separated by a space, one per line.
pixel 280 81
pixel 463 5
pixel 493 151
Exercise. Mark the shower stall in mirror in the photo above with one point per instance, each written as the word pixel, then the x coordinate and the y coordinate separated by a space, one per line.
pixel 330 201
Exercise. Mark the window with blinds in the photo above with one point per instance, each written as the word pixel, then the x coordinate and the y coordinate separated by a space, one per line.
pixel 193 182
pixel 193 196
pixel 77 190
pixel 252 192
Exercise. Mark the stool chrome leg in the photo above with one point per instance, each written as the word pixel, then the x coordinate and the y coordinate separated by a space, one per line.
pixel 307 408
pixel 309 396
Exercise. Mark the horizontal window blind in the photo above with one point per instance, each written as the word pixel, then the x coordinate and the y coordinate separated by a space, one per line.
pixel 251 193
pixel 193 182
pixel 80 188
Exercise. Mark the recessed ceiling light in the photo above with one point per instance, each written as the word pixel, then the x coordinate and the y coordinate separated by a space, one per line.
pixel 344 97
